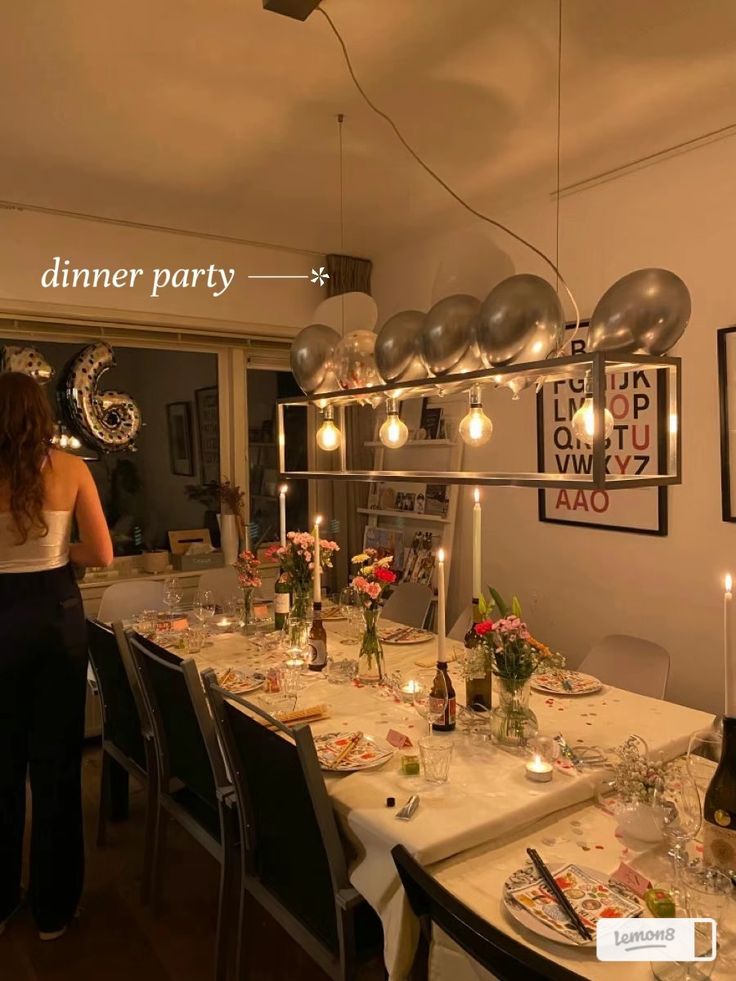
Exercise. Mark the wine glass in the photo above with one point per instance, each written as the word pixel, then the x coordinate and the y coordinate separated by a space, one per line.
pixel 352 611
pixel 173 594
pixel 703 756
pixel 432 699
pixel 204 606
pixel 677 810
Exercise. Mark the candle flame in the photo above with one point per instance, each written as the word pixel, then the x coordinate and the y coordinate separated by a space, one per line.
pixel 537 760
pixel 440 555
pixel 729 582
pixel 318 520
pixel 476 495
pixel 283 488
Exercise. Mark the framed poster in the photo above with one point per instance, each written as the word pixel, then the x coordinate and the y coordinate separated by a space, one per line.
pixel 181 447
pixel 637 401
pixel 727 397
pixel 208 426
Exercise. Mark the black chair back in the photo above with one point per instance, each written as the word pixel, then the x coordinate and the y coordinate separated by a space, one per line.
pixel 292 843
pixel 496 951
pixel 120 717
pixel 180 720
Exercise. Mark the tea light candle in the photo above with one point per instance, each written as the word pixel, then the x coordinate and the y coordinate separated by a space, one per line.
pixel 538 770
pixel 294 664
pixel 411 689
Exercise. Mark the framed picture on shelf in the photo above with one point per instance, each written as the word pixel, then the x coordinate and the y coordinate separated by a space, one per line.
pixel 208 427
pixel 727 397
pixel 437 502
pixel 181 447
pixel 431 420
pixel 386 541
pixel 637 445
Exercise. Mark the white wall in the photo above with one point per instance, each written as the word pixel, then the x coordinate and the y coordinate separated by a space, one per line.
pixel 578 584
pixel 268 308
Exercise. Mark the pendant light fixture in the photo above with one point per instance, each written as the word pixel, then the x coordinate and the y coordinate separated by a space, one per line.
pixel 329 436
pixel 475 427
pixel 583 422
pixel 394 431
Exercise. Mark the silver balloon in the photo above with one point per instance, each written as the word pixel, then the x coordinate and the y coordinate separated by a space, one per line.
pixel 521 319
pixel 448 343
pixel 27 360
pixel 644 312
pixel 397 352
pixel 311 356
pixel 108 421
pixel 355 362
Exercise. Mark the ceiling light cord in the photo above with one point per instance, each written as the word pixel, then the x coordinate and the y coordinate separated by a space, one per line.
pixel 425 166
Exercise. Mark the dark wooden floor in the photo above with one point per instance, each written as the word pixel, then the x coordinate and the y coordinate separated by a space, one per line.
pixel 116 939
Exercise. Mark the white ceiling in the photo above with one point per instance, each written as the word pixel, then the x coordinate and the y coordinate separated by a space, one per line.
pixel 220 117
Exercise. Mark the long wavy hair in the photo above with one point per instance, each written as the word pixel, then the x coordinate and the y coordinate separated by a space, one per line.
pixel 26 430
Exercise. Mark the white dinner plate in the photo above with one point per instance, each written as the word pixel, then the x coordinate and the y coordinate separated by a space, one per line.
pixel 404 635
pixel 370 752
pixel 239 682
pixel 528 875
pixel 551 682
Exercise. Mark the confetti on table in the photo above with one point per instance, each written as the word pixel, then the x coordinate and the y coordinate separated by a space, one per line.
pixel 599 846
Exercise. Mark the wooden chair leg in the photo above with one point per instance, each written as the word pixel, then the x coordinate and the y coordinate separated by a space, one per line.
pixel 149 843
pixel 159 849
pixel 104 799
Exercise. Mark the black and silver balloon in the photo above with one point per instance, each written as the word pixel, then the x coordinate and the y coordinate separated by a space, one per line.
pixel 27 360
pixel 109 421
pixel 312 359
pixel 398 347
pixel 448 342
pixel 521 319
pixel 644 312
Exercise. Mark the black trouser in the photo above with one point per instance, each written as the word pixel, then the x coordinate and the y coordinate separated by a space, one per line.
pixel 43 668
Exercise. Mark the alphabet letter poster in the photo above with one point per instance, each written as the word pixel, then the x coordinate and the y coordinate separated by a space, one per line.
pixel 636 399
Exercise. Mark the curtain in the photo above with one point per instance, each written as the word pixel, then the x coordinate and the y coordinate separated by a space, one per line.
pixel 348 274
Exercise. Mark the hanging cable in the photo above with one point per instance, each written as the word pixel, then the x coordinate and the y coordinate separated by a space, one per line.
pixel 425 166
pixel 340 120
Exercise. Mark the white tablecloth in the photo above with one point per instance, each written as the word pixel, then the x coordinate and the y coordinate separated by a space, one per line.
pixel 487 795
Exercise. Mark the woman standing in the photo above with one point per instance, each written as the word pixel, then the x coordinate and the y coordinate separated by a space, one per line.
pixel 43 654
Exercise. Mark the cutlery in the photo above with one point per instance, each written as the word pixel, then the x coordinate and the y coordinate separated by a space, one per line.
pixel 353 742
pixel 559 895
pixel 409 809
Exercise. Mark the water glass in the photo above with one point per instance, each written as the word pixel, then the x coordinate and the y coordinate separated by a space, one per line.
pixel 204 606
pixel 145 622
pixel 173 594
pixel 341 671
pixel 292 675
pixel 436 755
pixel 678 813
pixel 194 639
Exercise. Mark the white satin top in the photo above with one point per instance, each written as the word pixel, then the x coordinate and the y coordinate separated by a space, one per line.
pixel 36 554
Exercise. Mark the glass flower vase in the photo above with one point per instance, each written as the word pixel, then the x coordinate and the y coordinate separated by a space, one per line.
pixel 247 609
pixel 301 600
pixel 370 658
pixel 513 723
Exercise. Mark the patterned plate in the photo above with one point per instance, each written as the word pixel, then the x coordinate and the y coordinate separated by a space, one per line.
pixel 566 683
pixel 366 754
pixel 405 635
pixel 238 682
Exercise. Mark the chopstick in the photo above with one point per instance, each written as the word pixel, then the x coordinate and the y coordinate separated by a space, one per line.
pixel 559 895
pixel 355 739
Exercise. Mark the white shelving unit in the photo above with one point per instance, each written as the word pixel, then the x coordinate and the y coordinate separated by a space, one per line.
pixel 442 455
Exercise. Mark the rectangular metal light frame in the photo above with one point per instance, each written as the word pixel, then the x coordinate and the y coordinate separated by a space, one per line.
pixel 599 363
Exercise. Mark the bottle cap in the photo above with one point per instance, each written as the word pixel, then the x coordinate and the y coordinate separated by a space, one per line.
pixel 390 802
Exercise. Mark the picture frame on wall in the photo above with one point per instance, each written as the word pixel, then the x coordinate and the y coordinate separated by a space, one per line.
pixel 638 401
pixel 181 445
pixel 208 430
pixel 726 342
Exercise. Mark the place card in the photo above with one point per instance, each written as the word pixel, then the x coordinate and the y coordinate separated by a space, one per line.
pixel 632 879
pixel 398 739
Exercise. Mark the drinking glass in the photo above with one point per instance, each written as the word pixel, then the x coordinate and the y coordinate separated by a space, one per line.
pixel 173 594
pixel 352 610
pixel 431 701
pixel 194 639
pixel 678 813
pixel 204 606
pixel 145 622
pixel 436 755
pixel 705 892
pixel 703 756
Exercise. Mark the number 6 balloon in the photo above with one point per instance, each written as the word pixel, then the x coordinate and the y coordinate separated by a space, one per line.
pixel 109 421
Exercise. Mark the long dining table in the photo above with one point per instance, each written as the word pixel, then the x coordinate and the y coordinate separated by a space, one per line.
pixel 473 830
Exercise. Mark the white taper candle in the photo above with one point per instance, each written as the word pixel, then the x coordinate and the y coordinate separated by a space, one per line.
pixel 282 514
pixel 441 630
pixel 476 545
pixel 317 579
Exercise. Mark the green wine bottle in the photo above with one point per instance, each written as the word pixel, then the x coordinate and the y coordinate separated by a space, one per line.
pixel 719 807
pixel 281 601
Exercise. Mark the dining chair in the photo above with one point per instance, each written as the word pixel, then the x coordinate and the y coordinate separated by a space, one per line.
pixel 505 957
pixel 409 604
pixel 293 863
pixel 222 583
pixel 127 743
pixel 123 600
pixel 632 663
pixel 193 786
pixel 460 626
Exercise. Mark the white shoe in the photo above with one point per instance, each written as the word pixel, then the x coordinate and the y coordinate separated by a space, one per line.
pixel 51 935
